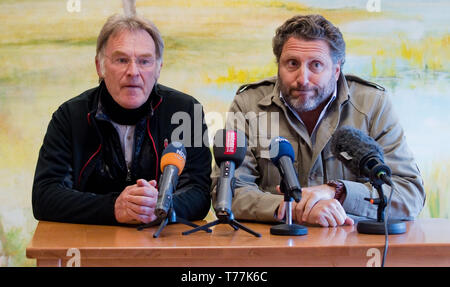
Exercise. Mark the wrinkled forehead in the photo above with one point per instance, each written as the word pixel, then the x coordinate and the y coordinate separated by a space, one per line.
pixel 296 46
pixel 130 41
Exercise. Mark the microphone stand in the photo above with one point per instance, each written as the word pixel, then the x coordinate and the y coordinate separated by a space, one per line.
pixel 224 218
pixel 169 219
pixel 378 227
pixel 289 228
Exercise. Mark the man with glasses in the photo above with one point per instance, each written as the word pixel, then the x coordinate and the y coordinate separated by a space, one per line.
pixel 99 162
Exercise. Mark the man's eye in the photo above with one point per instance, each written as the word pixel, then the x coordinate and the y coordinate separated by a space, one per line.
pixel 317 65
pixel 122 60
pixel 292 63
pixel 145 62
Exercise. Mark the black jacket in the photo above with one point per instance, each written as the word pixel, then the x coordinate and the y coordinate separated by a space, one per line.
pixel 81 168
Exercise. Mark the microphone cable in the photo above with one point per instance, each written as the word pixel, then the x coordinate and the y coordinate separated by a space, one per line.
pixel 386 231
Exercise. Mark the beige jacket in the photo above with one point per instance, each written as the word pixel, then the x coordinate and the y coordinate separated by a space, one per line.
pixel 359 104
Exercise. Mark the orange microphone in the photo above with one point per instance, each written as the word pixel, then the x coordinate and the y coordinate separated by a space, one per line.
pixel 172 164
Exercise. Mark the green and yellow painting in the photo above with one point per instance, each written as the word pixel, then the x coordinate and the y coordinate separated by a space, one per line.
pixel 47 50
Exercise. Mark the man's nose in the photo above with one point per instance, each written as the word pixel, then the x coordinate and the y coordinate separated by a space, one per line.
pixel 132 69
pixel 303 74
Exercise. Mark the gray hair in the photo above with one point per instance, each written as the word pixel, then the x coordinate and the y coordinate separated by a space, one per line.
pixel 310 27
pixel 117 23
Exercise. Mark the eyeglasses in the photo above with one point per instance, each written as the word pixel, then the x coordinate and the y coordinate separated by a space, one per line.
pixel 122 62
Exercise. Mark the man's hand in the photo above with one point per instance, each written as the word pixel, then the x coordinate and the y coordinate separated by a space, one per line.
pixel 136 203
pixel 327 213
pixel 317 206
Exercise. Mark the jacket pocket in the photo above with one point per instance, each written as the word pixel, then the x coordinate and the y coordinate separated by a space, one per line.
pixel 337 170
pixel 269 175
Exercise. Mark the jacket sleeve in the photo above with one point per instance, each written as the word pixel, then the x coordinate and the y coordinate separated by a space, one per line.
pixel 54 197
pixel 192 199
pixel 409 197
pixel 249 202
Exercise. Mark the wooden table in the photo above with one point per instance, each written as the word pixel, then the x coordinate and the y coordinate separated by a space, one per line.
pixel 426 243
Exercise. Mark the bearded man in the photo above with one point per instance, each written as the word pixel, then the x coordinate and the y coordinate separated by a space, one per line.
pixel 310 99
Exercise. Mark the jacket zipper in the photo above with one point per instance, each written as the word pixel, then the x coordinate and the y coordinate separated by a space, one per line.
pixel 128 179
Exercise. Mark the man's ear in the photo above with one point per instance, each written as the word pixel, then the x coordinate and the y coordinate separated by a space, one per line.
pixel 337 70
pixel 98 66
pixel 158 70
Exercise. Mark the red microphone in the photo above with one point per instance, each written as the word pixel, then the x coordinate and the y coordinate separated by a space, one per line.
pixel 229 152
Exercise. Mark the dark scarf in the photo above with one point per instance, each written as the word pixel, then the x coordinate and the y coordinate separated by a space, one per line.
pixel 119 114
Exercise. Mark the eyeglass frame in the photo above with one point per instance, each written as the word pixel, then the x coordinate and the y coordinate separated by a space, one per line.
pixel 129 60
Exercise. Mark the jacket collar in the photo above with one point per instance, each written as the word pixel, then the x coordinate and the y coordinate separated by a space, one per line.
pixel 272 97
pixel 155 95
pixel 343 94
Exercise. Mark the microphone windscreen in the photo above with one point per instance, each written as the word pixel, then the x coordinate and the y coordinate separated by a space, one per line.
pixel 229 145
pixel 174 154
pixel 279 147
pixel 351 145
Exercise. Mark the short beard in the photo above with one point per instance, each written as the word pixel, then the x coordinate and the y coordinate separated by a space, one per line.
pixel 320 95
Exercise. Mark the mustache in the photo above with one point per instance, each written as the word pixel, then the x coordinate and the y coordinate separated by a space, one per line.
pixel 131 84
pixel 303 88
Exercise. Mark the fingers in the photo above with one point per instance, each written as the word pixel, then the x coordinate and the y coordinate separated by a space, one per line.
pixel 137 212
pixel 312 195
pixel 349 221
pixel 341 215
pixel 278 189
pixel 146 217
pixel 328 220
pixel 140 209
pixel 338 212
pixel 329 213
pixel 142 200
pixel 325 218
pixel 298 210
pixel 281 210
pixel 310 202
pixel 137 203
pixel 143 193
pixel 143 182
pixel 143 188
pixel 309 198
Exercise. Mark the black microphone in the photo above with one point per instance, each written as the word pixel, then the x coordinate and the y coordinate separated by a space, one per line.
pixel 364 157
pixel 361 154
pixel 172 163
pixel 229 152
pixel 282 155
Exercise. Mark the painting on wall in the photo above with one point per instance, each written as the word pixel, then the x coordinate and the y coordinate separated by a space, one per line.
pixel 47 50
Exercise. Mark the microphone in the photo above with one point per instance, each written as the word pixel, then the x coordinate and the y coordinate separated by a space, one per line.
pixel 361 154
pixel 364 157
pixel 172 163
pixel 229 152
pixel 282 155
